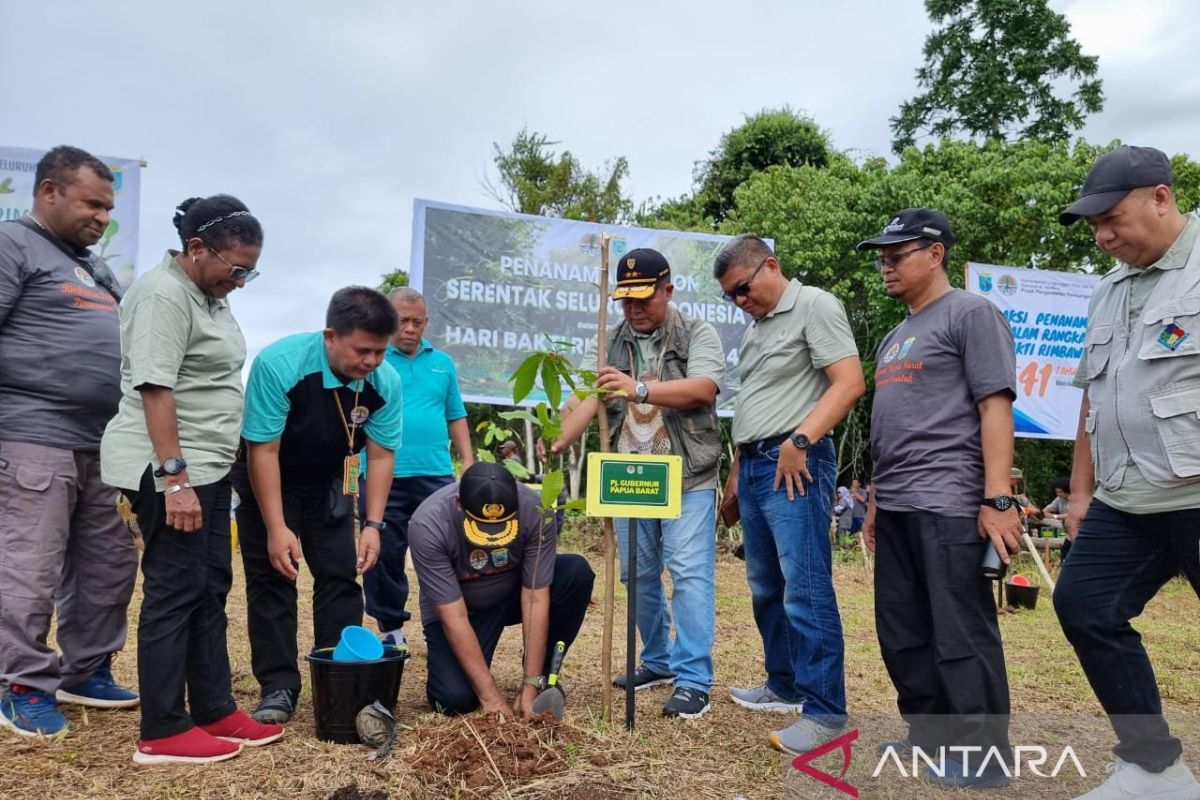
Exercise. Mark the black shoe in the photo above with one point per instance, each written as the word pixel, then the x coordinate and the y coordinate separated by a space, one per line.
pixel 643 678
pixel 276 707
pixel 687 703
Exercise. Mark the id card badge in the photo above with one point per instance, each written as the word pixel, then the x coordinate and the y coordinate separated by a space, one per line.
pixel 350 470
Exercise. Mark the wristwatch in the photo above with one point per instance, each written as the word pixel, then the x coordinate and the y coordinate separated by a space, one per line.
pixel 1000 502
pixel 172 465
pixel 801 441
pixel 642 391
pixel 536 681
pixel 376 524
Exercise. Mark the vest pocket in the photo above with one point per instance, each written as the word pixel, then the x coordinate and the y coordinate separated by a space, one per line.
pixel 1172 329
pixel 1177 419
pixel 1099 348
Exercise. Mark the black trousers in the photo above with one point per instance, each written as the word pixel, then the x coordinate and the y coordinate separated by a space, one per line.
pixel 448 689
pixel 1118 563
pixel 936 622
pixel 323 520
pixel 386 586
pixel 181 627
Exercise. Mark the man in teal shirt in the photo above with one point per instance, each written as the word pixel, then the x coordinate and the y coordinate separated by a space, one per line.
pixel 433 415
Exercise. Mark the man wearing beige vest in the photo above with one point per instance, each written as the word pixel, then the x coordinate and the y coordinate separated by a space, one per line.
pixel 1135 480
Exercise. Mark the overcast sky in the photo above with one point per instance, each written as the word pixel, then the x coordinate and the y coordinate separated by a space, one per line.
pixel 327 119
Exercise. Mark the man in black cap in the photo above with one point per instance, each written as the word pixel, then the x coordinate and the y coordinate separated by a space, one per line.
pixel 663 370
pixel 485 558
pixel 1134 516
pixel 942 443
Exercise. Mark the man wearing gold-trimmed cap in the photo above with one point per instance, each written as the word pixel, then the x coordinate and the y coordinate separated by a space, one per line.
pixel 663 371
pixel 486 558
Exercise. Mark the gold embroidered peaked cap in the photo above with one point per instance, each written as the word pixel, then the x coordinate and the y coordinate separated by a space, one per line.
pixel 638 274
pixel 488 496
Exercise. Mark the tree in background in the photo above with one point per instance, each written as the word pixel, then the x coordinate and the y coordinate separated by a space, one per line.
pixel 991 71
pixel 533 179
pixel 393 280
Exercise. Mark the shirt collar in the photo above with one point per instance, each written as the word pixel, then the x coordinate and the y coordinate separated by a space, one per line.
pixel 787 300
pixel 172 267
pixel 425 347
pixel 1176 256
pixel 328 379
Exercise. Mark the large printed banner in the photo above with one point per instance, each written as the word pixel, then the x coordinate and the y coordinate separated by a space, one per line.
pixel 1048 314
pixel 502 285
pixel 119 245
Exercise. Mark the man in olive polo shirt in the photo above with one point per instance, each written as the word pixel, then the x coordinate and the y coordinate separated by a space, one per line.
pixel 1135 479
pixel 60 367
pixel 313 402
pixel 800 376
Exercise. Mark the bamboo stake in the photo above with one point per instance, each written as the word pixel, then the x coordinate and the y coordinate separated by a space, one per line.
pixel 610 537
pixel 1037 560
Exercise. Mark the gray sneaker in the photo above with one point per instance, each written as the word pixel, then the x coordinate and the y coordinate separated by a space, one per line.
pixel 802 735
pixel 760 698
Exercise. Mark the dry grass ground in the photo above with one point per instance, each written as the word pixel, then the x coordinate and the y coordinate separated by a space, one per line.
pixel 722 756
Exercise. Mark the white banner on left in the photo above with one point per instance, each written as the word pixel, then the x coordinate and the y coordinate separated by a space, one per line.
pixel 119 245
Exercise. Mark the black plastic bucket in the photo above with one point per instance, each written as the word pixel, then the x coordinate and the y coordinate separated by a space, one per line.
pixel 1021 596
pixel 342 688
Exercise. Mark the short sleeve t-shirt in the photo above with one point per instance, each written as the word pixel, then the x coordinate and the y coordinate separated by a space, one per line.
pixel 431 400
pixel 448 566
pixel 293 395
pixel 782 359
pixel 176 337
pixel 931 371
pixel 60 343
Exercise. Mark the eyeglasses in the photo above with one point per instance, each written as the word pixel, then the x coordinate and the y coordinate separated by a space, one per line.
pixel 243 274
pixel 894 259
pixel 743 288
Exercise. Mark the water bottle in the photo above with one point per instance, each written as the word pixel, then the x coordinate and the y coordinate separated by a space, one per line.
pixel 991 568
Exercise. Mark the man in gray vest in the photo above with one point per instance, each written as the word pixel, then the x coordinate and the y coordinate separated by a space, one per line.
pixel 1135 479
pixel 663 369
pixel 60 368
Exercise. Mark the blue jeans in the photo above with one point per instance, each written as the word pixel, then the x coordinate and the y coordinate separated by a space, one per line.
pixel 789 566
pixel 1118 563
pixel 687 547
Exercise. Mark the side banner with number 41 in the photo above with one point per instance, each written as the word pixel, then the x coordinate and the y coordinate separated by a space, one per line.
pixel 1047 311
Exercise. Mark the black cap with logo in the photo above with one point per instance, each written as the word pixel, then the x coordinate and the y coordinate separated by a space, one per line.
pixel 488 495
pixel 911 224
pixel 638 273
pixel 1114 175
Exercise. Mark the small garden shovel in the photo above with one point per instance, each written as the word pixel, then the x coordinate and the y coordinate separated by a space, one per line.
pixel 552 698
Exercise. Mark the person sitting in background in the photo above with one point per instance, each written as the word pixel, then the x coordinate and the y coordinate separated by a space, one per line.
pixel 1056 510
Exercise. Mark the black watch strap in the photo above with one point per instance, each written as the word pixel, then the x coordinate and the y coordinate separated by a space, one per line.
pixel 1001 502
pixel 376 524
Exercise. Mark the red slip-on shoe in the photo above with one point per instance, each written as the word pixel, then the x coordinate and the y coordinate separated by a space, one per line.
pixel 193 746
pixel 242 728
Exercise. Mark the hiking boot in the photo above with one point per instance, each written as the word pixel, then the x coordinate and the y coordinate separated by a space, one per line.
pixel 644 678
pixel 241 728
pixel 802 735
pixel 687 703
pixel 100 690
pixel 956 776
pixel 30 712
pixel 193 746
pixel 760 698
pixel 1129 781
pixel 276 707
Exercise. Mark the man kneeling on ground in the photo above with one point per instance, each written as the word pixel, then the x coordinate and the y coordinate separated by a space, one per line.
pixel 485 558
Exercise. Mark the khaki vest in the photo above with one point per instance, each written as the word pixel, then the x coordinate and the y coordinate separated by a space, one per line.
pixel 693 431
pixel 1145 396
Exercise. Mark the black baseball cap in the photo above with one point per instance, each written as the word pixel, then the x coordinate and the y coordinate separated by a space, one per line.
pixel 488 495
pixel 911 224
pixel 1114 175
pixel 639 272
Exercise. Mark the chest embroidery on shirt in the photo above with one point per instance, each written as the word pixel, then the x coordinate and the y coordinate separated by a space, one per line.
pixel 359 414
pixel 500 557
pixel 84 278
pixel 479 559
pixel 1172 336
pixel 892 353
pixel 904 348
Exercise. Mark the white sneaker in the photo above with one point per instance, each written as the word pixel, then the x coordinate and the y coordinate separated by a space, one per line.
pixel 1131 782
